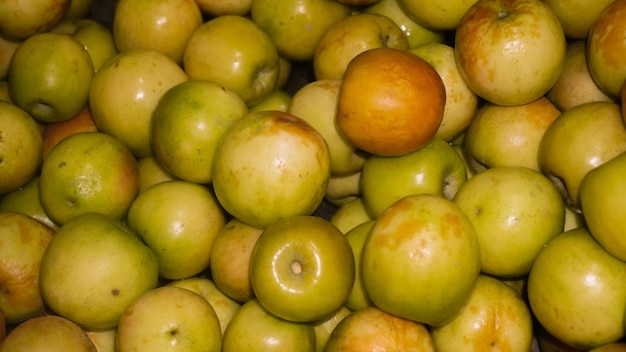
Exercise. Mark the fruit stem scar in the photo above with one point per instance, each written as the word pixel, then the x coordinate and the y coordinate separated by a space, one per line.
pixel 296 267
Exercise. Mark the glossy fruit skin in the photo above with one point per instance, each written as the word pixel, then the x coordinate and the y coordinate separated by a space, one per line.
pixel 23 19
pixel 169 318
pixel 135 80
pixel 495 316
pixel 162 26
pixel 501 59
pixel 378 101
pixel 579 140
pixel 602 204
pixel 421 259
pixel 606 48
pixel 435 168
pixel 243 57
pixel 49 77
pixel 88 172
pixel 577 291
pixel 515 211
pixel 96 296
pixel 302 269
pixel 297 26
pixel 187 124
pixel 255 329
pixel 270 165
pixel 166 218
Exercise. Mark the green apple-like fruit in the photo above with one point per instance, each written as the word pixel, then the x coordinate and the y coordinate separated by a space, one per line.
pixel 49 77
pixel 577 16
pixel 435 168
pixel 357 236
pixel 243 57
pixel 95 37
pixel 508 135
pixel 316 103
pixel 580 139
pixel 350 215
pixel 341 190
pixel 461 101
pixel 169 318
pixel 437 15
pixel 349 37
pixel 575 85
pixel 296 26
pixel 21 147
pixel 23 241
pixel 88 172
pixel 279 100
pixel 188 123
pixel 324 328
pixel 515 212
pixel 151 172
pixel 577 291
pixel 135 80
pixel 270 165
pixel 606 48
pixel 603 204
pixel 224 306
pixel 421 259
pixel 166 217
pixel 163 26
pixel 230 259
pixel 93 269
pixel 510 52
pixel 372 329
pixel 26 200
pixel 416 32
pixel 47 333
pixel 494 317
pixel 20 20
pixel 255 329
pixel 302 268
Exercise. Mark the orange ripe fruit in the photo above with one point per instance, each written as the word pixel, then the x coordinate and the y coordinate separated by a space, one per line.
pixel 391 102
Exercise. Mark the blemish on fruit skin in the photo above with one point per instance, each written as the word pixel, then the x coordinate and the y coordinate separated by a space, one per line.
pixel 115 292
pixel 61 164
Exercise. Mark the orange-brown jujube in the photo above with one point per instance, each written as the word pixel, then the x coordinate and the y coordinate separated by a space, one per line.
pixel 391 102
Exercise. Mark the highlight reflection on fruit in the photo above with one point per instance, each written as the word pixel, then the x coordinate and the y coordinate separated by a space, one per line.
pixel 312 175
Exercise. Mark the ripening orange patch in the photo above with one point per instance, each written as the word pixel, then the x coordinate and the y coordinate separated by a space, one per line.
pixel 610 31
pixel 391 102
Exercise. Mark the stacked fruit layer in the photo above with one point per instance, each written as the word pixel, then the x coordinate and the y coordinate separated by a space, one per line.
pixel 324 175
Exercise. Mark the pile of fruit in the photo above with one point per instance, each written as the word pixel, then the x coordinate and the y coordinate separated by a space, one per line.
pixel 320 175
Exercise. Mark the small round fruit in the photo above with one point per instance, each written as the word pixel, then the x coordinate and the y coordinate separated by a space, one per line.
pixel 163 26
pixel 23 241
pixel 270 165
pixel 372 329
pixel 48 333
pixel 166 217
pixel 88 172
pixel 49 77
pixel 302 269
pixel 255 329
pixel 606 48
pixel 391 102
pixel 421 259
pixel 93 269
pixel 21 147
pixel 188 123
